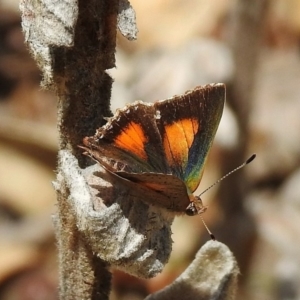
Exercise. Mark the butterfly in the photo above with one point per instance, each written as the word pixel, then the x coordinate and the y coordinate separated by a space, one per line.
pixel 160 148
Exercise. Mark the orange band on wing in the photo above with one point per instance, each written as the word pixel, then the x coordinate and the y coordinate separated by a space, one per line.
pixel 178 139
pixel 190 127
pixel 132 139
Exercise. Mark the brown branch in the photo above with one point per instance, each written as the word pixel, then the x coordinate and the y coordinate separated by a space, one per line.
pixel 73 43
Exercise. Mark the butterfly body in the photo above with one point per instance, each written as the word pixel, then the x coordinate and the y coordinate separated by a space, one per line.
pixel 161 148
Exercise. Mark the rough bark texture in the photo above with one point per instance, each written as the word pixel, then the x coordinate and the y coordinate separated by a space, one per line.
pixel 73 43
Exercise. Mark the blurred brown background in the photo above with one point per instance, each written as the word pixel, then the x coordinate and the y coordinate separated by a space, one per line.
pixel 180 44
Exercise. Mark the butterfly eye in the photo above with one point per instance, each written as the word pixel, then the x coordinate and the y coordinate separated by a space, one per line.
pixel 191 210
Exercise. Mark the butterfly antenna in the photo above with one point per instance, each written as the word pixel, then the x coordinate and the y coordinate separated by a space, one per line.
pixel 209 232
pixel 248 161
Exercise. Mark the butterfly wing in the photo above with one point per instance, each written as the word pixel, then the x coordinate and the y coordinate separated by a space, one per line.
pixel 187 126
pixel 130 141
pixel 164 190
